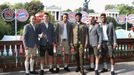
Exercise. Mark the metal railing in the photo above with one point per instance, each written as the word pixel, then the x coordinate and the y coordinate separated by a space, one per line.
pixel 12 54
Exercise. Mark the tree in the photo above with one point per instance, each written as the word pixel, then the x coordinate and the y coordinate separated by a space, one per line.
pixel 18 6
pixel 4 28
pixel 123 8
pixel 78 10
pixel 91 11
pixel 3 6
pixel 111 19
pixel 107 7
pixel 34 7
pixel 68 10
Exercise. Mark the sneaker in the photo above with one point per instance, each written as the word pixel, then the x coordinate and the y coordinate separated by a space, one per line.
pixel 33 72
pixel 77 69
pixel 57 70
pixel 104 70
pixel 90 69
pixel 112 73
pixel 52 70
pixel 96 72
pixel 67 69
pixel 26 73
pixel 41 72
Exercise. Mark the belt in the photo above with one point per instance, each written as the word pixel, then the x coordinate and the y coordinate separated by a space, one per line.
pixel 64 39
pixel 105 41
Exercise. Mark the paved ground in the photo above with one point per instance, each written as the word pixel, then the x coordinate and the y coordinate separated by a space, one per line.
pixel 123 68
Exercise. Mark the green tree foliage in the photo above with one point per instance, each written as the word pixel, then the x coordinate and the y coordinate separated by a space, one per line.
pixel 4 28
pixel 111 19
pixel 88 11
pixel 109 7
pixel 3 6
pixel 18 6
pixel 68 10
pixel 34 7
pixel 91 11
pixel 78 10
pixel 123 8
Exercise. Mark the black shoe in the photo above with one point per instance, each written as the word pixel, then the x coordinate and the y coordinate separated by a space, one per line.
pixel 57 70
pixel 96 72
pixel 104 70
pixel 33 72
pixel 67 69
pixel 77 69
pixel 90 69
pixel 112 73
pixel 52 70
pixel 41 72
pixel 83 73
pixel 26 73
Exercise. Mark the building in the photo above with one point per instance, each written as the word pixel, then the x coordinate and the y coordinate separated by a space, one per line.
pixel 111 13
pixel 55 12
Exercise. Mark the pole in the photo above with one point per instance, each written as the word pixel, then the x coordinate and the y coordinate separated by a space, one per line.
pixel 126 22
pixel 15 25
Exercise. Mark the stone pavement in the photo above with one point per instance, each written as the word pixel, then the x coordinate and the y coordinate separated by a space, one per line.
pixel 123 68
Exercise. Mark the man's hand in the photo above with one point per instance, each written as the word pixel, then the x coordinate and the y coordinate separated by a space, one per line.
pixel 98 46
pixel 42 35
pixel 85 46
pixel 26 48
pixel 115 45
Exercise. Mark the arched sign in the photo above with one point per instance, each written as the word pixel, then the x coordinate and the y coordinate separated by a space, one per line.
pixel 131 18
pixel 8 14
pixel 121 19
pixel 84 16
pixel 22 15
pixel 71 16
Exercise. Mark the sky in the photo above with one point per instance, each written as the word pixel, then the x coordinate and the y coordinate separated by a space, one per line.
pixel 97 5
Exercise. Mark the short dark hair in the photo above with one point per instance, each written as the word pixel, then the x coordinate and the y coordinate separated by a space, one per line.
pixel 79 14
pixel 103 14
pixel 46 14
pixel 65 14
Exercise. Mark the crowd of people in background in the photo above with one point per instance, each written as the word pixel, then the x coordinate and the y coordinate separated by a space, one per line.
pixel 98 37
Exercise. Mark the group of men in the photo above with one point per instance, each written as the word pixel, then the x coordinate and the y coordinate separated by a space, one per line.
pixel 99 38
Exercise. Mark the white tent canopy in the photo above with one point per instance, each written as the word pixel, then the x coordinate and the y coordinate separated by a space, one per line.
pixel 11 38
pixel 121 33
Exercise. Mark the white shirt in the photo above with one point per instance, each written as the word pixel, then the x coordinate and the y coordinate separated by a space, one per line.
pixel 64 34
pixel 33 26
pixel 90 27
pixel 105 37
pixel 46 24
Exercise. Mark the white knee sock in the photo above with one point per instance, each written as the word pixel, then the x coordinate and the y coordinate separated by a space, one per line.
pixel 96 67
pixel 65 65
pixel 112 67
pixel 26 66
pixel 50 66
pixel 31 64
pixel 42 66
pixel 92 65
pixel 58 66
